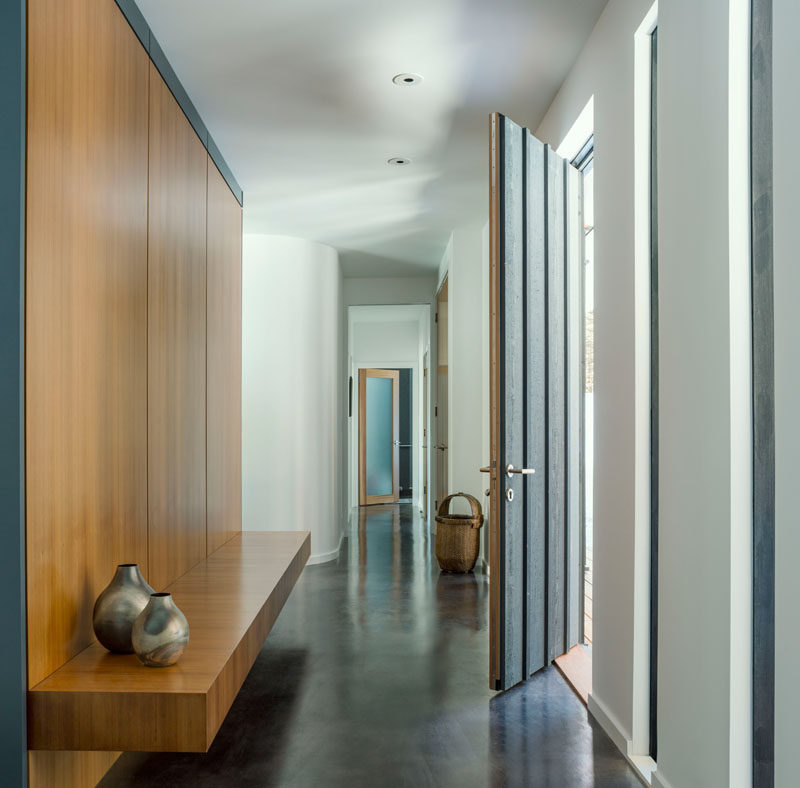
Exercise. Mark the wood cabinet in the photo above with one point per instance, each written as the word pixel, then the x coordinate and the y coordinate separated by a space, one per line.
pixel 115 703
pixel 119 386
pixel 224 348
pixel 86 333
pixel 176 260
pixel 86 321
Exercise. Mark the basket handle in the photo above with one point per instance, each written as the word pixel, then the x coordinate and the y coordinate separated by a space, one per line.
pixel 444 506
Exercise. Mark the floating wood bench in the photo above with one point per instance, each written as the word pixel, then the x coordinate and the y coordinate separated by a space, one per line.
pixel 103 701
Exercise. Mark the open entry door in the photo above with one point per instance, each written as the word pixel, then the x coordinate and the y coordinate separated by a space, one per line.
pixel 535 532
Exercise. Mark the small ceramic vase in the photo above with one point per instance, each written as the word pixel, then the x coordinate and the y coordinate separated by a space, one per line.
pixel 161 632
pixel 118 606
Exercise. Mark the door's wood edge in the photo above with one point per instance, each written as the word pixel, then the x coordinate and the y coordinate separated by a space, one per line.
pixel 495 678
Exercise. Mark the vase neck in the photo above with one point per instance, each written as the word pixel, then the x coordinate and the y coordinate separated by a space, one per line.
pixel 161 600
pixel 128 573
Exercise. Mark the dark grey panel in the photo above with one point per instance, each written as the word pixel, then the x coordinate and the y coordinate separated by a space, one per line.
pixel 556 405
pixel 139 26
pixel 136 20
pixel 535 410
pixel 654 403
pixel 763 399
pixel 225 170
pixel 513 398
pixel 13 676
pixel 176 88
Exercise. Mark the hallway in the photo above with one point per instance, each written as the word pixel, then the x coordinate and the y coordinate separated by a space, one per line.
pixel 375 675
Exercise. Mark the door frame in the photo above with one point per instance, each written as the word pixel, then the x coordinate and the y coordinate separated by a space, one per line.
pixel 394 376
pixel 441 462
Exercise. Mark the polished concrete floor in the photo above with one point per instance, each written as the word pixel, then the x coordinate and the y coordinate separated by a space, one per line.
pixel 376 675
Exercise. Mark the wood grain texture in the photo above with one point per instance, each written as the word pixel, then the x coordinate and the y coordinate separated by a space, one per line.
pixel 103 701
pixel 176 341
pixel 59 769
pixel 576 667
pixel 362 437
pixel 86 322
pixel 224 368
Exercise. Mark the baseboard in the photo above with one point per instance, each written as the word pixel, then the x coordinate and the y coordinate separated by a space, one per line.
pixel 643 765
pixel 323 558
pixel 659 781
pixel 609 723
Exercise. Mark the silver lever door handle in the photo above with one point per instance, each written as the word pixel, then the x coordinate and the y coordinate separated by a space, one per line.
pixel 524 471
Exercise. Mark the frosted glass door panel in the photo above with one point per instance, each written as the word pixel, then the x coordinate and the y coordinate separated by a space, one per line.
pixel 380 471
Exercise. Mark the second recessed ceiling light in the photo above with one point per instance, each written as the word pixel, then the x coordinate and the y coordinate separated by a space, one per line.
pixel 407 80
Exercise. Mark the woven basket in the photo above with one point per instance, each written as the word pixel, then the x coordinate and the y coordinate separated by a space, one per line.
pixel 458 536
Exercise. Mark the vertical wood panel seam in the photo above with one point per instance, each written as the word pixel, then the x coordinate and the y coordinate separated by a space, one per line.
pixel 206 387
pixel 141 29
pixel 147 335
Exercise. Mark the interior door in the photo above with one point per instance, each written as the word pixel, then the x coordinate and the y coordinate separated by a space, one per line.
pixel 378 436
pixel 536 254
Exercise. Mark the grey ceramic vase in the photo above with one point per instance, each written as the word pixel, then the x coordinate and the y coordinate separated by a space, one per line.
pixel 161 632
pixel 118 606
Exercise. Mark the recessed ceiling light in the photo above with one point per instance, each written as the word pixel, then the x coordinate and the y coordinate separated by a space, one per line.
pixel 407 80
pixel 399 161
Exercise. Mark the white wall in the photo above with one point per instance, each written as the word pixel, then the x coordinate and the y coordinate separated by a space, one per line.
pixel 704 547
pixel 605 71
pixel 703 611
pixel 786 67
pixel 467 364
pixel 390 290
pixel 293 405
pixel 393 340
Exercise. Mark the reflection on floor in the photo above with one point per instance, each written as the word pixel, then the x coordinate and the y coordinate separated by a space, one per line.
pixel 376 675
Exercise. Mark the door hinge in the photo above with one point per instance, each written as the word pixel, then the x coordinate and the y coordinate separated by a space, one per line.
pixel 436 318
pixel 436 410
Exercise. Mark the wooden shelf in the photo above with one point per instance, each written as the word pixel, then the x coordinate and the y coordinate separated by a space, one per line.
pixel 103 701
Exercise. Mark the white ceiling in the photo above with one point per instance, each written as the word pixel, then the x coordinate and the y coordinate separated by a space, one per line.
pixel 298 96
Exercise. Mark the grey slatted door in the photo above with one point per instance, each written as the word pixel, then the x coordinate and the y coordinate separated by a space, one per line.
pixel 536 254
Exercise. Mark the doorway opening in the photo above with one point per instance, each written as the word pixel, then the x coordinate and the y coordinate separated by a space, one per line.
pixel 388 455
pixel 442 393
pixel 584 162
